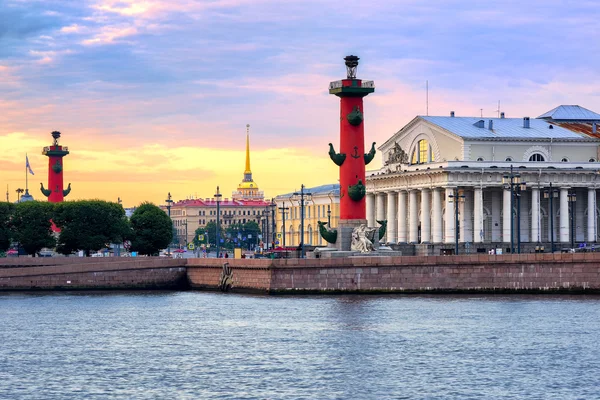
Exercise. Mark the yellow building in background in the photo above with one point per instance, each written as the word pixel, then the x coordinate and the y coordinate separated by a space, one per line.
pixel 321 203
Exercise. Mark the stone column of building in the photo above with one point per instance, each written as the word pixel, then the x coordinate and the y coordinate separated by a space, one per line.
pixel 466 217
pixel 535 215
pixel 413 226
pixel 525 233
pixel 506 215
pixel 478 215
pixel 425 216
pixel 591 217
pixel 496 215
pixel 370 203
pixel 563 222
pixel 579 217
pixel 402 220
pixel 379 207
pixel 450 223
pixel 436 222
pixel 391 218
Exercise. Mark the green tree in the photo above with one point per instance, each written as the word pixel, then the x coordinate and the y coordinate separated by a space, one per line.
pixel 152 229
pixel 89 225
pixel 6 212
pixel 251 230
pixel 31 226
pixel 211 232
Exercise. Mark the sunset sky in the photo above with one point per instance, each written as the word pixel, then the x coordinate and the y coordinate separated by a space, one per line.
pixel 154 97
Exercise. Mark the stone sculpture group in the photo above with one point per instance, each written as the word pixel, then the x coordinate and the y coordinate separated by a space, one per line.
pixel 363 238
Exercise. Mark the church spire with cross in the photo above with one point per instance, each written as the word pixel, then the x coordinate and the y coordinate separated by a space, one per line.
pixel 248 189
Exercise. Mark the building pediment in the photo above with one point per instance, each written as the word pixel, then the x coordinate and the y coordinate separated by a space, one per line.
pixel 404 146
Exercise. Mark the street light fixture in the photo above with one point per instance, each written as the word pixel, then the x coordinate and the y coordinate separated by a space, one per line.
pixel 302 195
pixel 169 202
pixel 550 194
pixel 283 211
pixel 266 213
pixel 218 196
pixel 456 198
pixel 571 198
pixel 272 206
pixel 512 182
pixel 328 216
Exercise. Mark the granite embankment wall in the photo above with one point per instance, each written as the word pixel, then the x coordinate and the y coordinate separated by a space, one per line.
pixel 91 273
pixel 578 272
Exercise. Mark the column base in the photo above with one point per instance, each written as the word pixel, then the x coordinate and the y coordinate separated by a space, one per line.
pixel 344 238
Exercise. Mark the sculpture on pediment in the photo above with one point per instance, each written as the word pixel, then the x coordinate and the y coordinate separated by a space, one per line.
pixel 397 155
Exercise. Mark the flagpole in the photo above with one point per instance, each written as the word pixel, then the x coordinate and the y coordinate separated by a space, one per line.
pixel 26 177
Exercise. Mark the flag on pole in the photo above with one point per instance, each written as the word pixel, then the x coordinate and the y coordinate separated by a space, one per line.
pixel 27 165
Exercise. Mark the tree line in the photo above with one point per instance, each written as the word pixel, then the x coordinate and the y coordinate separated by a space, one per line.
pixel 244 236
pixel 84 225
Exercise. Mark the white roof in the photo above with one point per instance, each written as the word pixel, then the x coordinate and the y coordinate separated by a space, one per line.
pixel 570 113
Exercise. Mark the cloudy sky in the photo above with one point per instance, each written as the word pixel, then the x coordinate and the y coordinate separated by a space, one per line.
pixel 153 97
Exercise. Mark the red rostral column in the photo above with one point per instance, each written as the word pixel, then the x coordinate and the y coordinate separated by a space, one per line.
pixel 55 153
pixel 352 158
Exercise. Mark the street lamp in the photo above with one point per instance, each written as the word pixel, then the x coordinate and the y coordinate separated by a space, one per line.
pixel 302 194
pixel 283 211
pixel 328 216
pixel 218 196
pixel 550 194
pixel 571 198
pixel 169 202
pixel 512 182
pixel 456 198
pixel 266 227
pixel 272 206
pixel 184 223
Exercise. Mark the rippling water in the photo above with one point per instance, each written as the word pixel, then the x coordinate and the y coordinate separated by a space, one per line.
pixel 195 345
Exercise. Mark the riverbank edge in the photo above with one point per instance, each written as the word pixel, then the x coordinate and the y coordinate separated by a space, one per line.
pixel 489 274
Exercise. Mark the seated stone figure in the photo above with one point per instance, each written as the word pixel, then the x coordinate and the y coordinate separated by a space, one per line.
pixel 362 239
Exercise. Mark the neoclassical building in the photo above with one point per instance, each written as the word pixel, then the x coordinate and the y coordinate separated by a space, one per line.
pixel 434 160
pixel 322 203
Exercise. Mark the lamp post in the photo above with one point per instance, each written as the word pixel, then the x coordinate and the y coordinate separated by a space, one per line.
pixel 184 223
pixel 571 197
pixel 272 206
pixel 302 194
pixel 283 211
pixel 456 198
pixel 169 202
pixel 218 196
pixel 328 216
pixel 120 202
pixel 550 194
pixel 512 182
pixel 266 228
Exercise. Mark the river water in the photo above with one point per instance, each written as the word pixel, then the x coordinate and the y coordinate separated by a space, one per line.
pixel 197 345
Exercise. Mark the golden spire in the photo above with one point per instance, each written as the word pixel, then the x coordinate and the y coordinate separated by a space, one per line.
pixel 247 171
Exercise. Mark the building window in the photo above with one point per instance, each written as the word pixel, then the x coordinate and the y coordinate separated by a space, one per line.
pixel 423 147
pixel 592 160
pixel 480 159
pixel 508 159
pixel 431 156
pixel 537 157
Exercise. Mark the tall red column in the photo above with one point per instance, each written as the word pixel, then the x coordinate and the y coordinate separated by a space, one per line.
pixel 55 153
pixel 352 158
